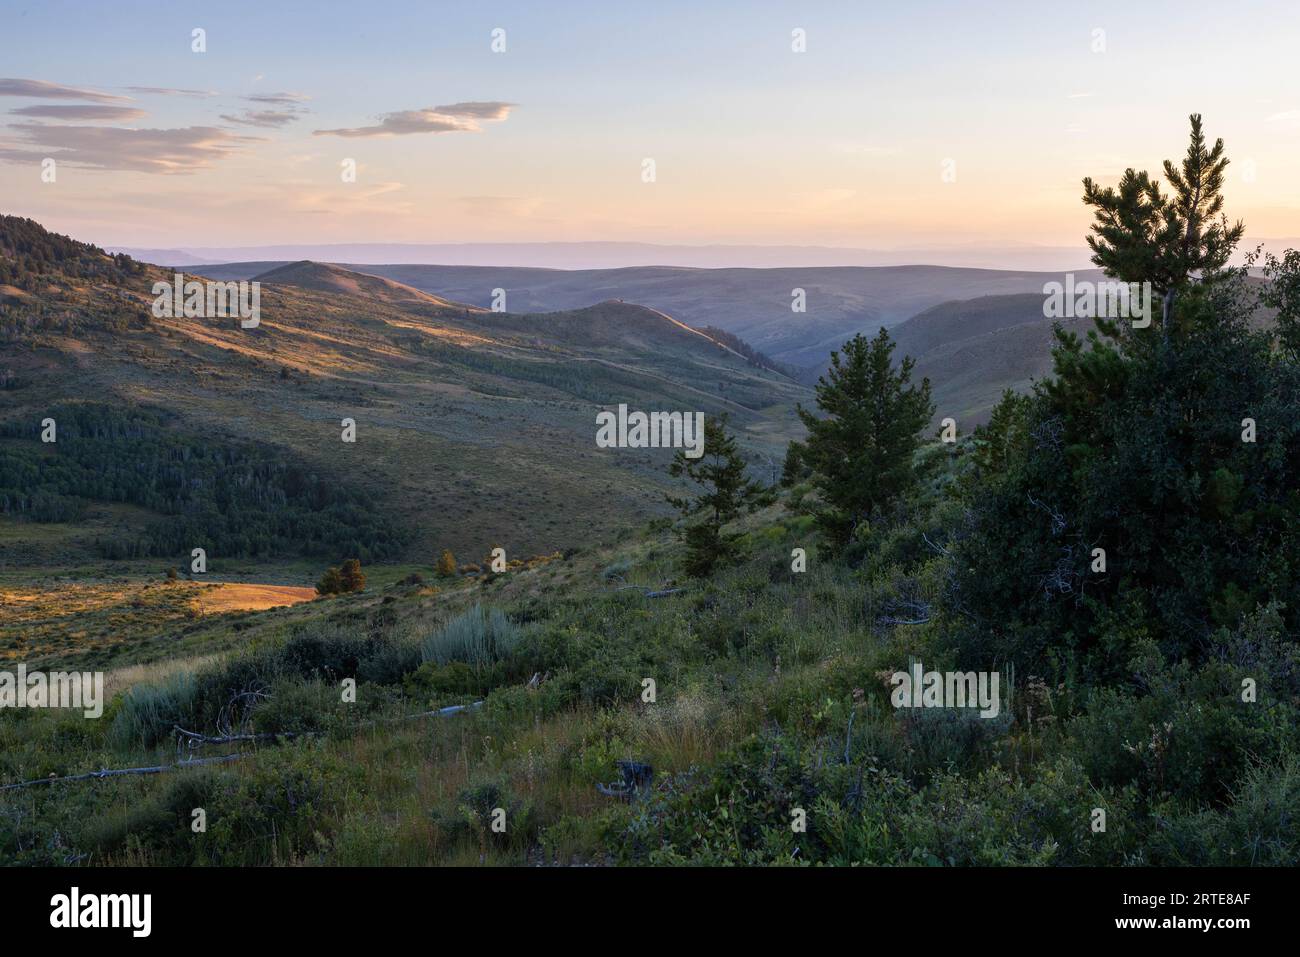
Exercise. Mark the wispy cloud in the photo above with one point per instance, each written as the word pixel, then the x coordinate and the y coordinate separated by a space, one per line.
pixel 267 119
pixel 80 111
pixel 40 89
pixel 371 200
pixel 167 151
pixel 169 91
pixel 277 99
pixel 453 118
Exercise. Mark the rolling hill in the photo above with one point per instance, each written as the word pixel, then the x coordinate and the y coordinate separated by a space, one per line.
pixel 974 349
pixel 474 429
pixel 754 304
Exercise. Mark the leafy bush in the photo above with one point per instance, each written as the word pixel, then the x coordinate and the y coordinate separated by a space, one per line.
pixel 274 809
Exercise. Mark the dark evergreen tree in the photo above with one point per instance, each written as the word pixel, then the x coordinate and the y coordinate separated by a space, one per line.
pixel 1143 235
pixel 794 469
pixel 331 583
pixel 861 452
pixel 1144 497
pixel 726 494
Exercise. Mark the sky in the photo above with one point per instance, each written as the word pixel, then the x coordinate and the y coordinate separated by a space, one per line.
pixel 898 125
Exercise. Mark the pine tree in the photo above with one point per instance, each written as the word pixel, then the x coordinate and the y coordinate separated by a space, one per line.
pixel 1117 512
pixel 1143 235
pixel 447 564
pixel 727 492
pixel 861 452
pixel 793 469
pixel 999 441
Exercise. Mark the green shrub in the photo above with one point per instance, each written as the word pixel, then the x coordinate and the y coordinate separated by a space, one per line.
pixel 478 807
pixel 1260 826
pixel 274 808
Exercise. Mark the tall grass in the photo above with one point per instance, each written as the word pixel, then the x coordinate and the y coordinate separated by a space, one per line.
pixel 479 637
pixel 129 676
pixel 149 711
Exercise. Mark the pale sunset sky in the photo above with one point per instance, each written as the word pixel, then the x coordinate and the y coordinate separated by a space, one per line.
pixel 841 145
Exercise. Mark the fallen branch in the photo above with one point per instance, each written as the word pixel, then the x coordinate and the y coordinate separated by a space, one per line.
pixel 444 712
pixel 120 772
pixel 938 548
pixel 646 593
pixel 196 740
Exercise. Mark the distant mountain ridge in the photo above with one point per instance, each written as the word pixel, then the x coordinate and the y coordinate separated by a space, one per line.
pixel 615 255
pixel 754 304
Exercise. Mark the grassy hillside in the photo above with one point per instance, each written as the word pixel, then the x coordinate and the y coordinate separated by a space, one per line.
pixel 973 350
pixel 770 695
pixel 474 429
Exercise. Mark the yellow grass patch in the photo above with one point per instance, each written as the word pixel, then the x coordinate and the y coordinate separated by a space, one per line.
pixel 220 597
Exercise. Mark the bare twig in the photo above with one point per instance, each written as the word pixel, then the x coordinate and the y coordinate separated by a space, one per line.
pixel 921 609
pixel 938 548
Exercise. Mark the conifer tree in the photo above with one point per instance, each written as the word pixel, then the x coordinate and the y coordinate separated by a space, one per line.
pixel 1121 510
pixel 1143 235
pixel 726 493
pixel 793 468
pixel 861 452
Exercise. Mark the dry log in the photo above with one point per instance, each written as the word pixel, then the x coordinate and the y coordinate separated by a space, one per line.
pixel 120 772
pixel 195 740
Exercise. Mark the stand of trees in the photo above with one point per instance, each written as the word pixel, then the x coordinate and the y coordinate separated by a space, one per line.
pixel 29 251
pixel 757 359
pixel 238 499
pixel 1146 495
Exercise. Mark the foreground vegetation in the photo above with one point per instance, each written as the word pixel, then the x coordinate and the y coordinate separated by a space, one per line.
pixel 769 696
